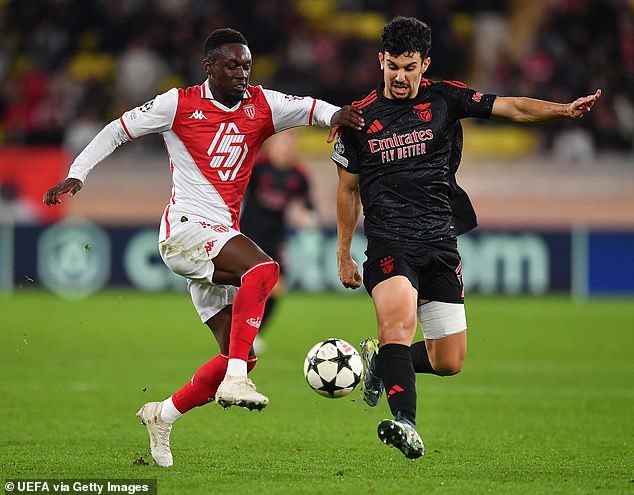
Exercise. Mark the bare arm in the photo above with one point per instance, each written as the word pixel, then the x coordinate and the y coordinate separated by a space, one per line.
pixel 348 211
pixel 520 109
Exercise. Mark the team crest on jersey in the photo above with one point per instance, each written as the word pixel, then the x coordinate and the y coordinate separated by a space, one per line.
pixel 249 110
pixel 423 111
pixel 387 264
pixel 477 96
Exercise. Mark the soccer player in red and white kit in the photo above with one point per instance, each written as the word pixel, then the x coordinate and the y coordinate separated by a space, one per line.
pixel 212 134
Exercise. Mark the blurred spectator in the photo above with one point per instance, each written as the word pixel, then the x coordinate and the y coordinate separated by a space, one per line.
pixel 56 53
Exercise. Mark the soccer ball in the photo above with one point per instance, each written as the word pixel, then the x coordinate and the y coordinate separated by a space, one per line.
pixel 333 368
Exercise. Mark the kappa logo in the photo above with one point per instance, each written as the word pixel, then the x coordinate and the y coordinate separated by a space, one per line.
pixel 198 115
pixel 423 111
pixel 255 322
pixel 387 264
pixel 209 246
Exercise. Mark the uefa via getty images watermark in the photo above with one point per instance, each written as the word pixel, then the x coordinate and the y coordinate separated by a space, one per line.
pixel 72 486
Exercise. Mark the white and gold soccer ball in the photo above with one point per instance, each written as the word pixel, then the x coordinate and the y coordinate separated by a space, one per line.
pixel 333 368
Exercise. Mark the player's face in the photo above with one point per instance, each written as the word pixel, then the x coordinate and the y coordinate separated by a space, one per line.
pixel 402 74
pixel 229 69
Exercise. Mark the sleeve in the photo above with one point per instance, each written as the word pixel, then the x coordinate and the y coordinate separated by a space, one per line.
pixel 345 153
pixel 154 116
pixel 469 102
pixel 293 111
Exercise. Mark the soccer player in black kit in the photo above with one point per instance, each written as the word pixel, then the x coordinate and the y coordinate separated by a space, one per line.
pixel 401 167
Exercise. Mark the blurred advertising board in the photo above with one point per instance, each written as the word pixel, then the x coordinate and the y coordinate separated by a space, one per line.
pixel 75 259
pixel 25 173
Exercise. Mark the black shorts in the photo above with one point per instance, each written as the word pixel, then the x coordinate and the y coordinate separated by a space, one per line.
pixel 434 269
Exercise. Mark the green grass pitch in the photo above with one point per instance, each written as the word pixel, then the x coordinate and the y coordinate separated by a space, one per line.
pixel 545 404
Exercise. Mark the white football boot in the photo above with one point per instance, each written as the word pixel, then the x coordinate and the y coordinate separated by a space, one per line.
pixel 240 391
pixel 159 431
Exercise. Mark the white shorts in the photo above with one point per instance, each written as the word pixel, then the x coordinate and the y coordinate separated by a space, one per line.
pixel 440 319
pixel 189 250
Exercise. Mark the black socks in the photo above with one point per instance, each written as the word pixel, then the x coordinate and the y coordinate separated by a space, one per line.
pixel 394 363
pixel 420 359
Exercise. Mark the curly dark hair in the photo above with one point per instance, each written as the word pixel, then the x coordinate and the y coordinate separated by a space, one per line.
pixel 221 37
pixel 406 35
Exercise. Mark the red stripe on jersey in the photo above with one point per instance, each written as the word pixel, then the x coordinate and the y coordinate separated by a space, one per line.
pixel 367 102
pixel 457 84
pixel 359 103
pixel 424 82
pixel 167 222
pixel 167 210
pixel 125 128
pixel 312 110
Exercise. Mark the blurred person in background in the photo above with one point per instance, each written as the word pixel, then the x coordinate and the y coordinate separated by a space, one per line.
pixel 277 198
pixel 212 133
pixel 401 168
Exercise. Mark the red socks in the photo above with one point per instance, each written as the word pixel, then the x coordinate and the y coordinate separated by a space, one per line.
pixel 248 307
pixel 201 389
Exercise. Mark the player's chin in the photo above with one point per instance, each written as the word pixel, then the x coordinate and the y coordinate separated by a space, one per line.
pixel 401 93
pixel 238 93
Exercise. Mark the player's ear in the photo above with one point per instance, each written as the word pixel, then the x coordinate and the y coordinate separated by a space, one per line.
pixel 206 65
pixel 381 60
pixel 425 64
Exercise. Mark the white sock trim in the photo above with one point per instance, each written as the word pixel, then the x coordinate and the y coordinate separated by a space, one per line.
pixel 169 413
pixel 236 367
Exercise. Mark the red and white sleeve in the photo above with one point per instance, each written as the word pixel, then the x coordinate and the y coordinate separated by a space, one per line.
pixel 293 111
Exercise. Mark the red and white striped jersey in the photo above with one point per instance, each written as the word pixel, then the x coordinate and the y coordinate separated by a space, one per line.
pixel 211 147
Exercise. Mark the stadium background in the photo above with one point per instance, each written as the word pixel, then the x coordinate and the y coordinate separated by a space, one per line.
pixel 542 192
pixel 544 405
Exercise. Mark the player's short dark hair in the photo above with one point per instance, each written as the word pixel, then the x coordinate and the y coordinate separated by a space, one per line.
pixel 406 35
pixel 221 37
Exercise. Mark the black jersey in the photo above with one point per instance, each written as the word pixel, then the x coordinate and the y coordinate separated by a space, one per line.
pixel 268 194
pixel 407 156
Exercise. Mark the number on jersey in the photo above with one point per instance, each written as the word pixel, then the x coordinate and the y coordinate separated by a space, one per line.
pixel 227 151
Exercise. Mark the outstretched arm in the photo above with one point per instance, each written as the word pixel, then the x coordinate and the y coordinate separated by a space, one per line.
pixel 520 109
pixel 102 145
pixel 348 210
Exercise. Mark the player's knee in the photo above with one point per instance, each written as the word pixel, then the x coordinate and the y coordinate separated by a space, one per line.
pixel 262 276
pixel 399 333
pixel 448 366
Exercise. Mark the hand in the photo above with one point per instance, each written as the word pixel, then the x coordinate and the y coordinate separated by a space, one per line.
pixel 581 106
pixel 69 186
pixel 349 273
pixel 346 116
